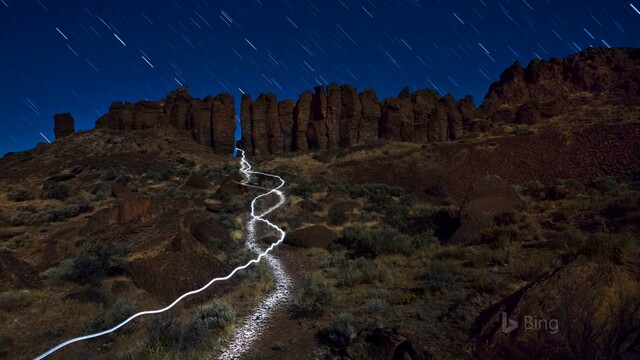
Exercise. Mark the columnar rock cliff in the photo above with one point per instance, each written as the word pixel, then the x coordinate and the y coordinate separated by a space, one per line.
pixel 336 116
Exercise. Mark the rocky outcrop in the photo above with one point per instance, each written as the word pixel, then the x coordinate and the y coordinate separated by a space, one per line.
pixel 336 116
pixel 209 121
pixel 612 72
pixel 63 125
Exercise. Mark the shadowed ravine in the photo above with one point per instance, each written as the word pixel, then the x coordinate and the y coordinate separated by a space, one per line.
pixel 251 326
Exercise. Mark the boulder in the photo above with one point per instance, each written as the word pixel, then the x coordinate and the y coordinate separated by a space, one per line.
pixel 488 197
pixel 312 236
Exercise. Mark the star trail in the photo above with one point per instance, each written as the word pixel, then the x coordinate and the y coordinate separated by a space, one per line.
pixel 79 56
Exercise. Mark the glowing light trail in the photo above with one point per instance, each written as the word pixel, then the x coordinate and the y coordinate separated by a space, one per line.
pixel 247 172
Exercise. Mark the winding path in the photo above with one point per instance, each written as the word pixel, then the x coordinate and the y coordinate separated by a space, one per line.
pixel 252 325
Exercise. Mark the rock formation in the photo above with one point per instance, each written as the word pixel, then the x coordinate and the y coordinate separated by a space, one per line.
pixel 368 127
pixel 63 125
pixel 301 117
pixel 209 122
pixel 336 116
pixel 611 72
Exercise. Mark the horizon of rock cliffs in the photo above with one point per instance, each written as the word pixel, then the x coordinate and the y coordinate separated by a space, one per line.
pixel 337 116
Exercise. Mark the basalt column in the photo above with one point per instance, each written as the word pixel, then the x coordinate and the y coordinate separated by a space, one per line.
pixel 334 108
pixel 262 108
pixel 301 114
pixel 406 116
pixel 317 130
pixel 368 126
pixel 350 116
pixel 285 118
pixel 201 129
pixel 245 122
pixel 424 102
pixel 223 120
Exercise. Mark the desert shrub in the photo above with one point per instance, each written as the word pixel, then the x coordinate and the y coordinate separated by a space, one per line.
pixel 108 174
pixel 123 179
pixel 533 189
pixel 55 190
pixel 306 189
pixel 488 257
pixel 363 271
pixel 371 190
pixel 171 190
pixel 19 240
pixel 377 241
pixel 530 268
pixel 342 330
pixel 336 259
pixel 19 193
pixel 210 319
pixel 376 306
pixel 439 276
pixel 452 252
pixel 486 282
pixel 604 184
pixel 5 343
pixel 66 211
pixel 616 249
pixel 11 300
pixel 507 218
pixel 313 297
pixel 102 320
pixel 31 215
pixel 92 265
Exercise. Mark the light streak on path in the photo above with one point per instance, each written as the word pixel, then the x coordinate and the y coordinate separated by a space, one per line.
pixel 241 339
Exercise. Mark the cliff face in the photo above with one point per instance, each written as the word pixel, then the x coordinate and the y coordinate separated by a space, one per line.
pixel 338 116
pixel 547 88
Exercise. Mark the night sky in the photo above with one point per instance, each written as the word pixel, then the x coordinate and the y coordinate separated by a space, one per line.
pixel 80 56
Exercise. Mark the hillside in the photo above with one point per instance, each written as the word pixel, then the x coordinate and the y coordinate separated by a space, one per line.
pixel 412 222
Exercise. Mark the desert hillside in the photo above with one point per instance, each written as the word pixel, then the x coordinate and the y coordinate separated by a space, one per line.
pixel 412 223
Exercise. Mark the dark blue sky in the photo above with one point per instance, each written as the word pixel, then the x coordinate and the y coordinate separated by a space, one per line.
pixel 79 56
